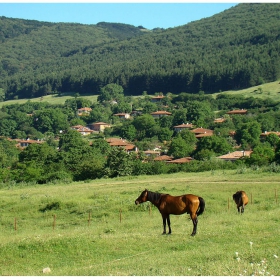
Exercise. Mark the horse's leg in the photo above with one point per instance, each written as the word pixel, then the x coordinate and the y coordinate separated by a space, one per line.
pixel 168 222
pixel 164 223
pixel 242 208
pixel 195 222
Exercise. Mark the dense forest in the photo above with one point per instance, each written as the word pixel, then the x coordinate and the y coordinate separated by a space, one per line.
pixel 235 49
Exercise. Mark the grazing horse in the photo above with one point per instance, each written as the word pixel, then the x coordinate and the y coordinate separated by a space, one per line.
pixel 176 205
pixel 241 199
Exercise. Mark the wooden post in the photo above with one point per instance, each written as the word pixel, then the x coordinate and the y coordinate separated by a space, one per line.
pixel 88 218
pixel 120 215
pixel 15 225
pixel 54 220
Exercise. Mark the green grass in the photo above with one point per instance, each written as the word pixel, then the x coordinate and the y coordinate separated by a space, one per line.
pixel 264 91
pixel 124 239
pixel 52 99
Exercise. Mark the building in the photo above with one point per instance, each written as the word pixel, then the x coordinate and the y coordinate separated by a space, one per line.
pixel 84 111
pixel 235 155
pixel 99 126
pixel 183 126
pixel 159 114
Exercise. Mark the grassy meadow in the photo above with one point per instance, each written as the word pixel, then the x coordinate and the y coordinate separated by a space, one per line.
pixel 264 91
pixel 94 228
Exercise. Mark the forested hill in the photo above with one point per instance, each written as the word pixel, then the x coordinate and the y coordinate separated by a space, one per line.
pixel 235 49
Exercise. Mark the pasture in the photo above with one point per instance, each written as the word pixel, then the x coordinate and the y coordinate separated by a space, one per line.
pixel 95 229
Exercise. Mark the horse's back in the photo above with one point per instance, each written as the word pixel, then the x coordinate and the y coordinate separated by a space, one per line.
pixel 181 204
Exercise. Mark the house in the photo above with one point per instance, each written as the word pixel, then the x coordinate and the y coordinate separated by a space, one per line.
pixel 235 155
pixel 219 120
pixel 183 126
pixel 163 158
pixel 99 126
pixel 159 114
pixel 157 98
pixel 123 115
pixel 266 133
pixel 202 132
pixel 121 143
pixel 237 112
pixel 181 160
pixel 25 143
pixel 83 130
pixel 151 153
pixel 84 111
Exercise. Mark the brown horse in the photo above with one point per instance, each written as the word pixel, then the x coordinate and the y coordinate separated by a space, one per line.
pixel 175 205
pixel 241 199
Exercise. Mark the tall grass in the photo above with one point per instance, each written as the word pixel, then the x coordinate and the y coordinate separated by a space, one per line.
pixel 100 231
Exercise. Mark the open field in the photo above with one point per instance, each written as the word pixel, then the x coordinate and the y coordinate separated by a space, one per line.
pixel 52 99
pixel 264 91
pixel 94 228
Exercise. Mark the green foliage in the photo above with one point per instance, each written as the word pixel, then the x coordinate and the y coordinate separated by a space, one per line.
pixel 248 134
pixel 235 49
pixel 179 148
pixel 111 92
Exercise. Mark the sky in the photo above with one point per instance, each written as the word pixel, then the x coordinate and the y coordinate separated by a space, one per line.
pixel 156 14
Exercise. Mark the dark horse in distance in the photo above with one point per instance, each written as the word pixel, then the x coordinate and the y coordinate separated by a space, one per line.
pixel 241 199
pixel 175 205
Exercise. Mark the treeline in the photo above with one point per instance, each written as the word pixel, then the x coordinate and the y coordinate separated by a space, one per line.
pixel 66 155
pixel 235 49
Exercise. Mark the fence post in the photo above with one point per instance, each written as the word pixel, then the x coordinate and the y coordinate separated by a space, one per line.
pixel 88 218
pixel 54 221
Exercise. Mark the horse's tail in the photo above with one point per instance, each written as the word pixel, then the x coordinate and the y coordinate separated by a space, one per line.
pixel 201 206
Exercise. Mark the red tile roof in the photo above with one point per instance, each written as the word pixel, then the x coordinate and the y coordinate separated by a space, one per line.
pixel 235 155
pixel 180 160
pixel 242 111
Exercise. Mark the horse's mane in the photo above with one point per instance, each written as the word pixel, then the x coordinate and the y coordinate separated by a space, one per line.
pixel 152 196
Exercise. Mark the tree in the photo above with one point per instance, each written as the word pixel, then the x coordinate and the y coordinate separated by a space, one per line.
pixel 216 144
pixel 263 154
pixel 272 139
pixel 50 120
pixel 111 92
pixel 119 163
pixel 178 148
pixel 144 126
pixel 248 134
pixel 165 134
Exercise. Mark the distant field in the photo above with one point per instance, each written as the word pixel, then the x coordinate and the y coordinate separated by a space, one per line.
pixel 268 90
pixel 52 99
pixel 95 229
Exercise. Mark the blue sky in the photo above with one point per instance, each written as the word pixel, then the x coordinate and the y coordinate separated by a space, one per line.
pixel 149 15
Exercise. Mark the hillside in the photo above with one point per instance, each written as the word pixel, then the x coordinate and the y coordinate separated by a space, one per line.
pixel 236 49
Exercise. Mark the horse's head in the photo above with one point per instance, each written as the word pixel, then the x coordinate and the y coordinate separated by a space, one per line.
pixel 142 198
